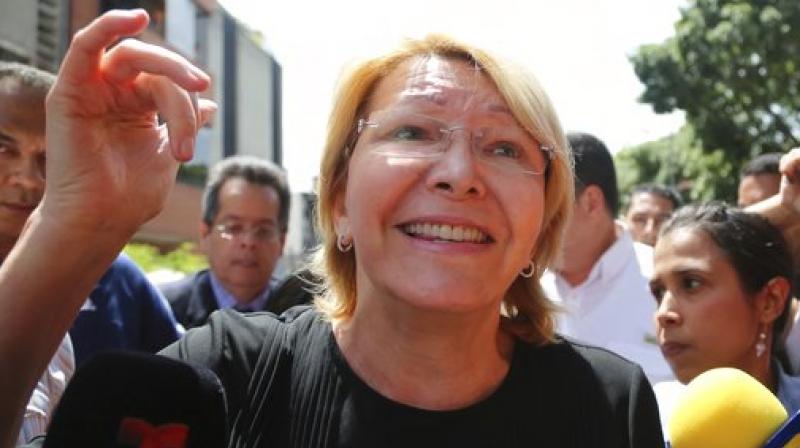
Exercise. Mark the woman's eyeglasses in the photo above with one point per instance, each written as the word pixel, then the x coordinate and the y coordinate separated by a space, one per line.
pixel 508 149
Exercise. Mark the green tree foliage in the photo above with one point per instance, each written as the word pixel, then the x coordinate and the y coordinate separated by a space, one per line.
pixel 732 66
pixel 183 259
pixel 195 174
pixel 678 161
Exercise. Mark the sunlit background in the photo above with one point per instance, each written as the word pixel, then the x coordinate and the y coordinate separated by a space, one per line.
pixel 578 48
pixel 274 66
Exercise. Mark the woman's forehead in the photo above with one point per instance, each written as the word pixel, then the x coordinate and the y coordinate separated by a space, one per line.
pixel 688 248
pixel 434 81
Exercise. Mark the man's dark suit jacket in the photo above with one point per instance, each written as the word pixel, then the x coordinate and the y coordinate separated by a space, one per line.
pixel 192 298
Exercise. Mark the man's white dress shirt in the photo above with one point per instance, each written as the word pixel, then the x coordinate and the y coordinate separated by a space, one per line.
pixel 613 308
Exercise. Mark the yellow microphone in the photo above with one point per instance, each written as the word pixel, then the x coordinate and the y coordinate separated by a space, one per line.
pixel 726 407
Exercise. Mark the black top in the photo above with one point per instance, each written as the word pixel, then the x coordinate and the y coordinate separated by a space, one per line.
pixel 288 385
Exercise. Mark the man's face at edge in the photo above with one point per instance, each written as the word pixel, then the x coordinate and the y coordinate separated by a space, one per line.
pixel 22 156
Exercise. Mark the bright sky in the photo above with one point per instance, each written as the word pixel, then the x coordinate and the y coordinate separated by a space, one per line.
pixel 577 48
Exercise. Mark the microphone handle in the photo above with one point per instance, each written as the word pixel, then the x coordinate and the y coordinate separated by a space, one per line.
pixel 785 435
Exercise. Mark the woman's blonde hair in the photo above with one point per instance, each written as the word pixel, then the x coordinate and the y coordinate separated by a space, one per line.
pixel 528 313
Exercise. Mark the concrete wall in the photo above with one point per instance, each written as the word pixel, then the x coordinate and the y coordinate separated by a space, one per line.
pixel 255 98
pixel 215 67
pixel 178 222
pixel 181 29
pixel 17 22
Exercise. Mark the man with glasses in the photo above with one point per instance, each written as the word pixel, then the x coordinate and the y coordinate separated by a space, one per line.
pixel 243 231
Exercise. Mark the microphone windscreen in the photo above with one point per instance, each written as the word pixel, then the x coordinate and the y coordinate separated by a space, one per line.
pixel 117 398
pixel 725 407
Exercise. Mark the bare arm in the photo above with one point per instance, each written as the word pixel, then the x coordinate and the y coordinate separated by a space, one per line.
pixel 110 167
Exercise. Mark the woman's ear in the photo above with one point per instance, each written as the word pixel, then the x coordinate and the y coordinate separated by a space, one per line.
pixel 341 222
pixel 342 226
pixel 772 299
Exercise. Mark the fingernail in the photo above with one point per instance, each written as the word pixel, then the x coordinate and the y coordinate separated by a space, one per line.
pixel 187 148
pixel 199 74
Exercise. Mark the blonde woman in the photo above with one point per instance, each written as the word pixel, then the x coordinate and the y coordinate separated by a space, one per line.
pixel 444 188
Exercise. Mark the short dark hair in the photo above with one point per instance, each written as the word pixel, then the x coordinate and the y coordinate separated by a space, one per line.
pixel 767 163
pixel 594 166
pixel 253 170
pixel 32 79
pixel 754 247
pixel 664 191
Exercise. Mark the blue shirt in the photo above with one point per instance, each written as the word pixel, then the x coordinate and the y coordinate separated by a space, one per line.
pixel 226 300
pixel 788 390
pixel 124 311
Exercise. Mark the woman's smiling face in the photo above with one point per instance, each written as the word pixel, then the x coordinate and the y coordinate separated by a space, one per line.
pixel 452 230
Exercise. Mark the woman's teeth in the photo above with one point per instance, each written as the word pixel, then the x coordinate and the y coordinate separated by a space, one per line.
pixel 446 232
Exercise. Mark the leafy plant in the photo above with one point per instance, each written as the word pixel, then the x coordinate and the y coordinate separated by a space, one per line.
pixel 732 66
pixel 680 162
pixel 184 259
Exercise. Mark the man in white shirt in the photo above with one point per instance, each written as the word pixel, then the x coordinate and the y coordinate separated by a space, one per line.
pixel 602 277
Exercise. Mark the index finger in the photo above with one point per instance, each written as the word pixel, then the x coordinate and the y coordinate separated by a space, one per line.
pixel 82 60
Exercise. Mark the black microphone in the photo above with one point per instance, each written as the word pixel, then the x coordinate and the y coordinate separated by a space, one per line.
pixel 138 400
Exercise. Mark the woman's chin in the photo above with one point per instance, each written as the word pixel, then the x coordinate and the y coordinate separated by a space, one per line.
pixel 458 297
pixel 685 374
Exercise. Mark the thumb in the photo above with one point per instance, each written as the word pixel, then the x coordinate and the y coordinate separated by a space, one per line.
pixel 789 194
pixel 207 110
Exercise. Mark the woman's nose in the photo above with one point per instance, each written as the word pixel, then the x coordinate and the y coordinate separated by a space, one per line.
pixel 457 172
pixel 667 314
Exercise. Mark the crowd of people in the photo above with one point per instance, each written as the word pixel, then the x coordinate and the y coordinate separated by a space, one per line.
pixel 477 282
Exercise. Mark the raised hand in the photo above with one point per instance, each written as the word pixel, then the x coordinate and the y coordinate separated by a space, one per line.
pixel 783 209
pixel 790 181
pixel 110 165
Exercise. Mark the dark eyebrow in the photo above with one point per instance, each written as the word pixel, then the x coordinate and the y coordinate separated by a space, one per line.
pixel 686 271
pixel 7 138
